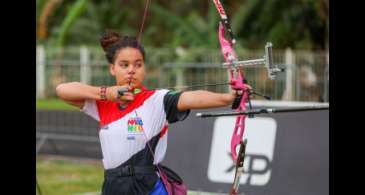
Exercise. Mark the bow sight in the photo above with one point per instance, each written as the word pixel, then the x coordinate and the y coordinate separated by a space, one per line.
pixel 267 61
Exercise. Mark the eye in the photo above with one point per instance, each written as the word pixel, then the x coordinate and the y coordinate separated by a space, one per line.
pixel 138 64
pixel 124 65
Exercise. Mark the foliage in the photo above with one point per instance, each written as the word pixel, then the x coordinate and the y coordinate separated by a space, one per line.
pixel 300 24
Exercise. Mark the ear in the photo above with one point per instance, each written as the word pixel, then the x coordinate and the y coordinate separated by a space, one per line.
pixel 112 69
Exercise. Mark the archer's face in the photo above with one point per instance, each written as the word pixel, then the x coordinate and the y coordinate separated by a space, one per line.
pixel 128 67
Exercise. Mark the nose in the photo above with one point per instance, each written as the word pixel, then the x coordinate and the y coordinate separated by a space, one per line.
pixel 131 69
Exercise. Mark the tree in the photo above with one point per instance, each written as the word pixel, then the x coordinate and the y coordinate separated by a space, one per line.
pixel 297 24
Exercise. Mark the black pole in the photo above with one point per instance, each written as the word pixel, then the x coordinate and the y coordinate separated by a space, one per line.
pixel 263 111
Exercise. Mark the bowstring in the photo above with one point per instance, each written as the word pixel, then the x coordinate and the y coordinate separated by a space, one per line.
pixel 139 35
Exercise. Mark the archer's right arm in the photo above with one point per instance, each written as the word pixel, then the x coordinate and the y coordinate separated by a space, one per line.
pixel 75 93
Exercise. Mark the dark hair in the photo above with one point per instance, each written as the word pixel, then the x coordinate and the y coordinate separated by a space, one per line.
pixel 112 42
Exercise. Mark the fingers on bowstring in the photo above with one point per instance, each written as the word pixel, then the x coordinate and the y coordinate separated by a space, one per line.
pixel 128 96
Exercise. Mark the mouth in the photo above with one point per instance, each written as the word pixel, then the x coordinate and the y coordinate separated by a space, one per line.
pixel 130 79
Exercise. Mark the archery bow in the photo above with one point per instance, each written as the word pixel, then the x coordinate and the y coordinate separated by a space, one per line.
pixel 236 79
pixel 237 83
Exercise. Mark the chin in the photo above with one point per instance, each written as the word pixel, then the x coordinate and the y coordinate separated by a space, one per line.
pixel 137 85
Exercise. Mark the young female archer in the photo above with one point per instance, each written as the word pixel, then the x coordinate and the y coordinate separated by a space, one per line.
pixel 133 120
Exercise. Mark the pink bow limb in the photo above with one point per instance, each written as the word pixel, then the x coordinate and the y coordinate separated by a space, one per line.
pixel 226 46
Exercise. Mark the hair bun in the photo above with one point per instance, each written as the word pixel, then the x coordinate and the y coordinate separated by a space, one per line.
pixel 108 39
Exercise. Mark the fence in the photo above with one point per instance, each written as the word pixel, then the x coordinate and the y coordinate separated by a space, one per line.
pixel 305 79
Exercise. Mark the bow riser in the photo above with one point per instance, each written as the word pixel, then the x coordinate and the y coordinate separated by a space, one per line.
pixel 236 79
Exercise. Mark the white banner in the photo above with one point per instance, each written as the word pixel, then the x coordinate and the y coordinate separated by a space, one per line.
pixel 260 134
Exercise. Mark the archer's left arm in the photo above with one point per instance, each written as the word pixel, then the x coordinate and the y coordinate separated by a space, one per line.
pixel 201 99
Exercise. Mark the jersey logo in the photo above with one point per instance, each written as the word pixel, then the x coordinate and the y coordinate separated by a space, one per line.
pixel 135 127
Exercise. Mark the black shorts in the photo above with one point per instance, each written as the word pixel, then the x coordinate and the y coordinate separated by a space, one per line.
pixel 129 180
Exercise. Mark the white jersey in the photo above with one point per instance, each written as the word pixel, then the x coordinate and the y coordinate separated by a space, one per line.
pixel 121 130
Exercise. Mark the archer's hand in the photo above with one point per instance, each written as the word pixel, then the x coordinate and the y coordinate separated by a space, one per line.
pixel 112 94
pixel 234 93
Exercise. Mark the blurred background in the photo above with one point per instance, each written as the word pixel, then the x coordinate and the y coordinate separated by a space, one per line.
pixel 182 49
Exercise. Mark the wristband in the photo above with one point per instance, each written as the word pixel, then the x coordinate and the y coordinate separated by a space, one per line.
pixel 103 93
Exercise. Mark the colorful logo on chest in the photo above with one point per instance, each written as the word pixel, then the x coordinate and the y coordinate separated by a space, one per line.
pixel 135 125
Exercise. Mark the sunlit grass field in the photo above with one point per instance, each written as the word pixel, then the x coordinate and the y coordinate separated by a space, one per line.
pixel 62 177
pixel 65 176
pixel 53 104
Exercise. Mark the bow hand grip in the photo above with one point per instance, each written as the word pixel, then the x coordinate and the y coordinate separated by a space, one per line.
pixel 237 101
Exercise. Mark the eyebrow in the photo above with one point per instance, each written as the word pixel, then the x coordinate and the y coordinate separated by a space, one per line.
pixel 139 60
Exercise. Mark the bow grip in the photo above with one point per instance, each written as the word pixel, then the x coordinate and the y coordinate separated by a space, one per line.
pixel 237 101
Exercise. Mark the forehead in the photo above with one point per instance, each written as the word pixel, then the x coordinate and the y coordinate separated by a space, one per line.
pixel 129 54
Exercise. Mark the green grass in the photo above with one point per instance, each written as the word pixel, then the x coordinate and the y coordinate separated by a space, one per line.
pixel 54 104
pixel 59 177
pixel 65 177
